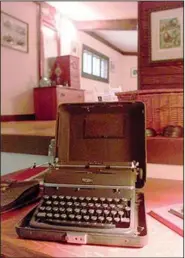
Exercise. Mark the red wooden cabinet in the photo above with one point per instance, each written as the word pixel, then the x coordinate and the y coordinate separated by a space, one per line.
pixel 65 69
pixel 47 99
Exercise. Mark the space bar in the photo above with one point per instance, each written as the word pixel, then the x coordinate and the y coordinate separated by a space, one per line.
pixel 80 224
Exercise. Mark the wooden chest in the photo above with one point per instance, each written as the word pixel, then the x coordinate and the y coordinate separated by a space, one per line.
pixel 65 70
pixel 47 99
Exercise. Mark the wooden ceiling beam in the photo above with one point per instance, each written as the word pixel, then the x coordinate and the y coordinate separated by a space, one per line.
pixel 123 24
pixel 107 43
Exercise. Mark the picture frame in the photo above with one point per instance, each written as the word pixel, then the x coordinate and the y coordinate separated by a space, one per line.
pixel 166 35
pixel 14 33
pixel 133 72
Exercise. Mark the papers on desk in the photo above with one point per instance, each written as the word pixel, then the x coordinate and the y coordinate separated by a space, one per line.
pixel 169 219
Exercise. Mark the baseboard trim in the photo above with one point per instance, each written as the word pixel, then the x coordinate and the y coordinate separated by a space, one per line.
pixel 22 117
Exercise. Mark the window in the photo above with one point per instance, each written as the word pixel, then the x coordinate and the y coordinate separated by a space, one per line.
pixel 95 65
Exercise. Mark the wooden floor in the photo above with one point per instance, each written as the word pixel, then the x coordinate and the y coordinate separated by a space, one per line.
pixel 33 137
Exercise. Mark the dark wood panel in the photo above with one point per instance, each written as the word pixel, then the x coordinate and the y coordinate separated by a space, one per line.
pixel 122 24
pixel 161 86
pixel 27 144
pixel 165 150
pixel 21 117
pixel 158 69
pixel 163 79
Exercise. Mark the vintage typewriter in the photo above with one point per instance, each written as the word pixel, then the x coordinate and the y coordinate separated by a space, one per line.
pixel 91 191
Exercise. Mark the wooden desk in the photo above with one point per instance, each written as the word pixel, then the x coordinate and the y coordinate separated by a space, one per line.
pixel 162 242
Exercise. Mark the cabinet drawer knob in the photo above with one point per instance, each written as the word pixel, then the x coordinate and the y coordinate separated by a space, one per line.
pixel 62 95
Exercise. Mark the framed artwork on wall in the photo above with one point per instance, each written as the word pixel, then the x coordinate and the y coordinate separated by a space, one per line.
pixel 167 35
pixel 133 72
pixel 14 33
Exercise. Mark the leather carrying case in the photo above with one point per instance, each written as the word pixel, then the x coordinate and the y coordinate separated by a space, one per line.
pixel 101 135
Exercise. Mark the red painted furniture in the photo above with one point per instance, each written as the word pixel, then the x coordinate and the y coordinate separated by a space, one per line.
pixel 65 70
pixel 47 99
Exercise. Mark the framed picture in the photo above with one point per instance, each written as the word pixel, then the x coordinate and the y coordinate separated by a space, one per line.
pixel 167 35
pixel 14 33
pixel 133 72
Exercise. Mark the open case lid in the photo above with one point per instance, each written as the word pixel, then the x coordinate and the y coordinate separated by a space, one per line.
pixel 110 133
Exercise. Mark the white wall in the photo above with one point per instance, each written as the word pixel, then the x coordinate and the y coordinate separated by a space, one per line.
pixel 19 71
pixel 120 77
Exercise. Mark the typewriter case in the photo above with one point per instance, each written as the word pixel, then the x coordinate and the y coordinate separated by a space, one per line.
pixel 98 137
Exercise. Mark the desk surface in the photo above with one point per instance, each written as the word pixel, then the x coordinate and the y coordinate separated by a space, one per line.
pixel 162 242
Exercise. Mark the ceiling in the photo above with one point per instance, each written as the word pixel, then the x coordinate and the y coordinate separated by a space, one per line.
pixel 124 40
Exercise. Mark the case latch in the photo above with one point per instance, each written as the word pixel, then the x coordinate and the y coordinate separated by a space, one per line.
pixel 76 238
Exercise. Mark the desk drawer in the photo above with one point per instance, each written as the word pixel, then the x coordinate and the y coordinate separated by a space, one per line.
pixel 69 96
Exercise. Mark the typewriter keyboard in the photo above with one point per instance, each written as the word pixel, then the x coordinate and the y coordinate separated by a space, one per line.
pixel 96 212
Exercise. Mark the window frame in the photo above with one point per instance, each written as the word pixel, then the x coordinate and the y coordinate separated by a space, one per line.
pixel 101 56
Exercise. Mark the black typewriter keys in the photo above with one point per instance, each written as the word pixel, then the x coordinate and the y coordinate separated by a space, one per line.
pixel 69 210
pixel 46 197
pixel 71 216
pixel 102 199
pixel 105 205
pixel 99 211
pixel 90 204
pixel 91 211
pixel 101 218
pixel 76 204
pixel 116 200
pixel 84 204
pixel 48 203
pixel 55 209
pixel 77 210
pixel 81 198
pixel 78 217
pixel 95 199
pixel 106 212
pixel 62 203
pixel 120 206
pixel 86 217
pixel 94 218
pixel 69 203
pixel 49 215
pixel 84 211
pixel 121 213
pixel 109 219
pixel 63 216
pixel 113 212
pixel 62 209
pixel 117 219
pixel 48 208
pixel 41 215
pixel 98 205
pixel 42 208
pixel 56 215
